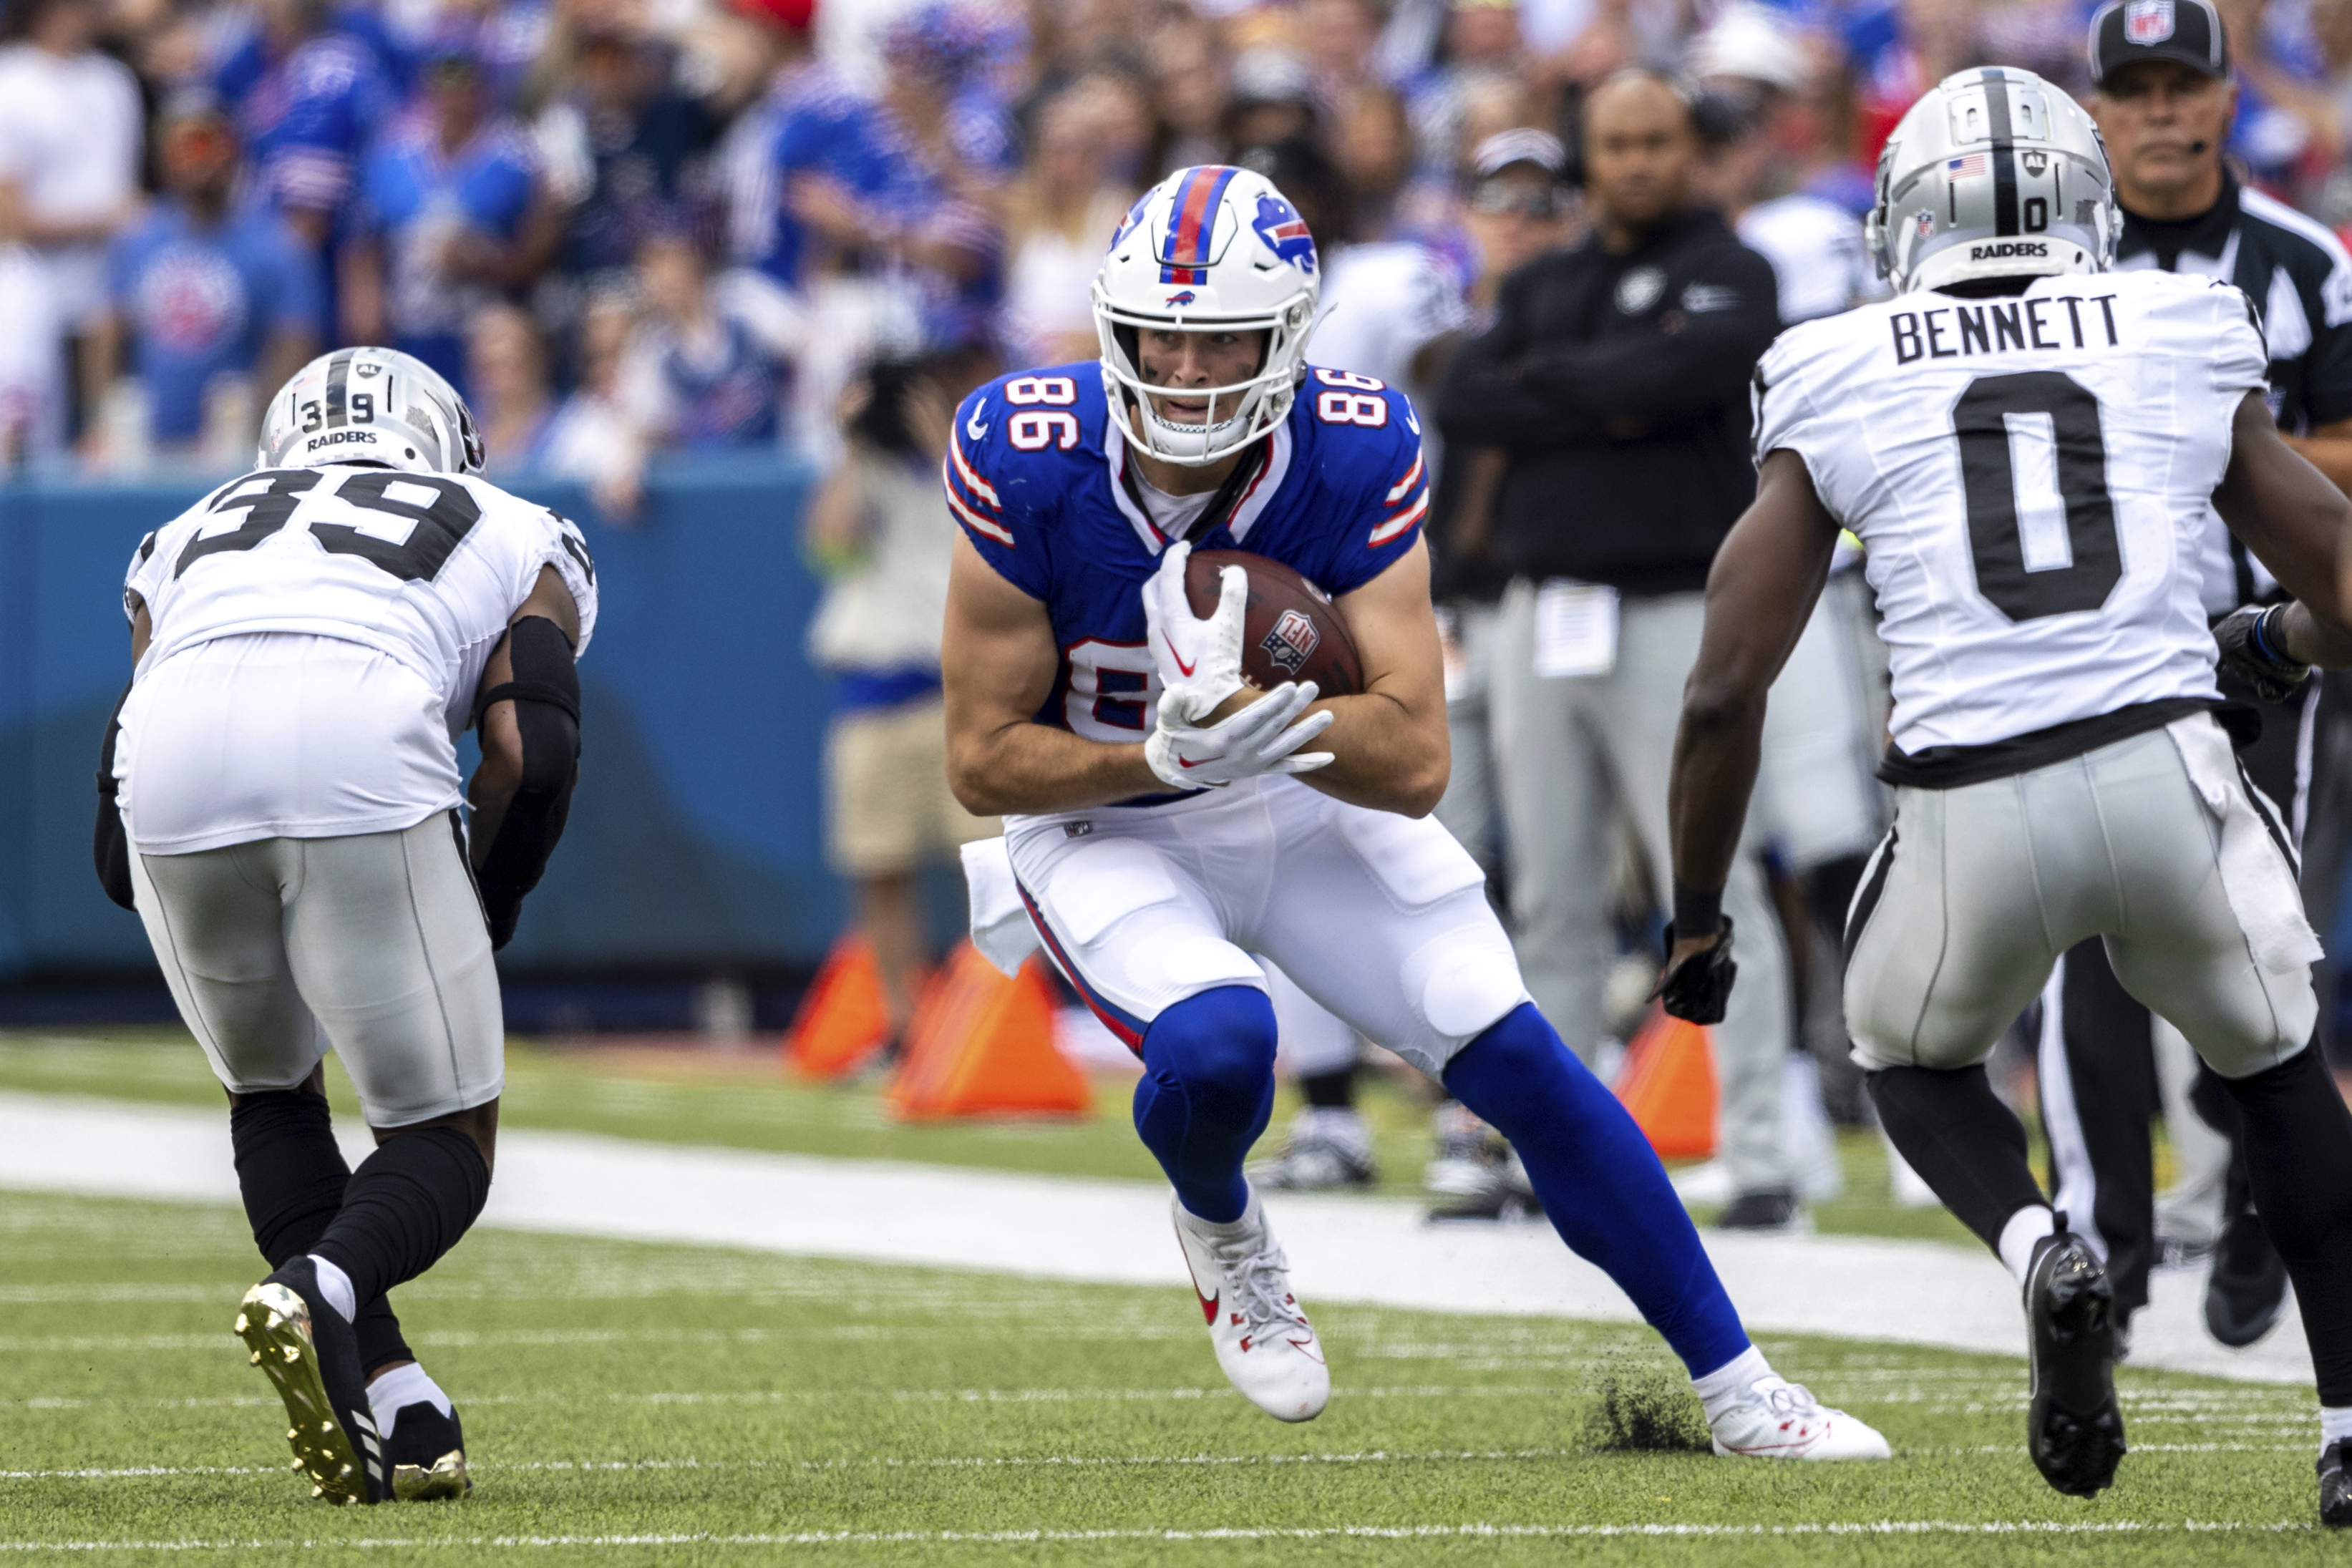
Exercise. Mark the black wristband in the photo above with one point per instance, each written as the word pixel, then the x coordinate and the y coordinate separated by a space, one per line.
pixel 1697 913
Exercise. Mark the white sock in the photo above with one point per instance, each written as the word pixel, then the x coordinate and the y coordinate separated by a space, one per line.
pixel 1724 1387
pixel 336 1286
pixel 401 1387
pixel 2026 1227
pixel 2335 1424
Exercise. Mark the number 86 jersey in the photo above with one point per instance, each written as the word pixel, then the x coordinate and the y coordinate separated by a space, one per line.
pixel 1039 479
pixel 2031 476
pixel 325 631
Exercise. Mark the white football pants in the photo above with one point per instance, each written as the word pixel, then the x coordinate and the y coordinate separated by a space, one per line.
pixel 374 944
pixel 1381 920
pixel 1975 892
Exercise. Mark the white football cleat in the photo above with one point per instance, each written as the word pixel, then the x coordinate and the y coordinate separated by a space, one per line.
pixel 1265 1343
pixel 1777 1420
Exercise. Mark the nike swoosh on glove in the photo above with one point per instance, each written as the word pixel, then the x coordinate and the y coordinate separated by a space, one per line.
pixel 2253 650
pixel 1263 738
pixel 1200 658
pixel 1698 990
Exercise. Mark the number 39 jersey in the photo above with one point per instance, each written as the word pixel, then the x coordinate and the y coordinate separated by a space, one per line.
pixel 317 637
pixel 2030 475
pixel 1036 478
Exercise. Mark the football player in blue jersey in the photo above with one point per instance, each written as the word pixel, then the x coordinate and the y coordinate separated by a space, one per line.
pixel 1167 825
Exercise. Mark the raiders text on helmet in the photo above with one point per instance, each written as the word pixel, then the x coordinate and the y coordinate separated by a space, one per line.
pixel 370 405
pixel 1207 249
pixel 1995 174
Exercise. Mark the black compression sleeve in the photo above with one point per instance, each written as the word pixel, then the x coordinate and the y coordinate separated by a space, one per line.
pixel 546 694
pixel 111 848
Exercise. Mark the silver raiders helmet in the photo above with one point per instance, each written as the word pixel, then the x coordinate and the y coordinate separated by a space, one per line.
pixel 1995 174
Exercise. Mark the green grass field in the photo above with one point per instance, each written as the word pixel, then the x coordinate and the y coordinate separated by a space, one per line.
pixel 642 1403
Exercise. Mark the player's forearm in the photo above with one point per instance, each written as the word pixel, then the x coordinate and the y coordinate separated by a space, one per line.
pixel 1024 767
pixel 1385 756
pixel 1717 750
pixel 2313 640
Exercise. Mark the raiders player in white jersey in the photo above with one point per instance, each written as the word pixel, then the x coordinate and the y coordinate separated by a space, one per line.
pixel 2026 443
pixel 280 805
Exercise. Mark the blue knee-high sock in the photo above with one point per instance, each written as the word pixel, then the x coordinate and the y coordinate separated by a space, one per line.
pixel 1605 1191
pixel 1206 1093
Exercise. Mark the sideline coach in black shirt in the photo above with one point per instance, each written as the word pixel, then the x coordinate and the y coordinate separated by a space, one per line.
pixel 1616 379
pixel 2165 104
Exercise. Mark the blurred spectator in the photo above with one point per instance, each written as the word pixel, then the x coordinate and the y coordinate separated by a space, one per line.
pixel 205 293
pixel 1616 373
pixel 878 535
pixel 1061 214
pixel 307 99
pixel 70 139
pixel 623 144
pixel 591 437
pixel 1188 92
pixel 1272 99
pixel 700 375
pixel 506 365
pixel 1374 145
pixel 453 214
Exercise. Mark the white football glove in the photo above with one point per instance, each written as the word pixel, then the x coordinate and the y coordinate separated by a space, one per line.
pixel 1263 738
pixel 1199 658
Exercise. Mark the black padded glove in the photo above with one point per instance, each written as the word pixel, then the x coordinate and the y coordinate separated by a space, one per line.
pixel 1699 990
pixel 2253 650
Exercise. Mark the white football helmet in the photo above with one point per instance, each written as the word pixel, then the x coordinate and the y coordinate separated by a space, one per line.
pixel 370 405
pixel 1209 248
pixel 1994 174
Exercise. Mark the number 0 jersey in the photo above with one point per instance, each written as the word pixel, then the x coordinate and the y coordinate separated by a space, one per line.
pixel 317 637
pixel 1036 478
pixel 2030 475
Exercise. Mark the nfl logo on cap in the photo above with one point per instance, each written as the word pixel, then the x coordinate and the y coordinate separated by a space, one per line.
pixel 2148 22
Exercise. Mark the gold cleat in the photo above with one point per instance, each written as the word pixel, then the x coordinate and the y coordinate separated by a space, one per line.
pixel 274 1319
pixel 444 1481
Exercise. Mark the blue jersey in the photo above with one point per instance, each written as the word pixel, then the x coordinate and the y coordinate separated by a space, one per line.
pixel 202 301
pixel 1035 475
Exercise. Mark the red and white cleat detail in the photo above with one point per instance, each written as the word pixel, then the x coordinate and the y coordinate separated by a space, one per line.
pixel 1264 1345
pixel 1781 1420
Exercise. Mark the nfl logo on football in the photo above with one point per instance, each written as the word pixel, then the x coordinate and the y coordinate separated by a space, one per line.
pixel 1291 641
pixel 2148 22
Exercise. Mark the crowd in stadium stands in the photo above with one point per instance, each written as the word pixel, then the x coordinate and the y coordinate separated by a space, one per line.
pixel 625 226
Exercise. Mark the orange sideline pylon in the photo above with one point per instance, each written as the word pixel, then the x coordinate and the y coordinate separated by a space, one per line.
pixel 843 1019
pixel 982 1045
pixel 1668 1083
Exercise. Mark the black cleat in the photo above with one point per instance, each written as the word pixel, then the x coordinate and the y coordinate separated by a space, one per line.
pixel 2073 1428
pixel 1765 1210
pixel 428 1451
pixel 2245 1295
pixel 2335 1485
pixel 311 1355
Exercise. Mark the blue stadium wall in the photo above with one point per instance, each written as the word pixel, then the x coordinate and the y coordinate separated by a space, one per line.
pixel 695 841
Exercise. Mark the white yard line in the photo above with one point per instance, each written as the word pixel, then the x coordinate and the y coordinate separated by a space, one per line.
pixel 1210 1535
pixel 1341 1249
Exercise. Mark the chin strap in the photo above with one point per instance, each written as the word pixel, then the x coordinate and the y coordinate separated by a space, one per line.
pixel 546 694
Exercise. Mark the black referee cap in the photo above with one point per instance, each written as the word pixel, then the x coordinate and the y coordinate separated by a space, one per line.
pixel 2187 31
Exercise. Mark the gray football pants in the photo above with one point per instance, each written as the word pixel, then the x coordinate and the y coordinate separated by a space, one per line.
pixel 1569 754
pixel 1976 892
pixel 374 944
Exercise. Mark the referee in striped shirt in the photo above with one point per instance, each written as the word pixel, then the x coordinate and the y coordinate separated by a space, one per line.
pixel 2165 103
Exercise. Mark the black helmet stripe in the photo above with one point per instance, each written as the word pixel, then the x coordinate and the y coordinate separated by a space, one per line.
pixel 338 375
pixel 2004 152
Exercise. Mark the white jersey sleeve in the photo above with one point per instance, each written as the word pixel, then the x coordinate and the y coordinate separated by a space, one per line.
pixel 2029 475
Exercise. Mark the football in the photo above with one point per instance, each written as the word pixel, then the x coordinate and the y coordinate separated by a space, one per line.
pixel 1289 631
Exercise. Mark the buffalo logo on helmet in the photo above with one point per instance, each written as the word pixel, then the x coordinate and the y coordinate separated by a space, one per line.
pixel 2148 22
pixel 1182 297
pixel 1285 232
pixel 1134 216
pixel 1292 641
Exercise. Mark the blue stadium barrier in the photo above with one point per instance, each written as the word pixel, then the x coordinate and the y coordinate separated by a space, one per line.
pixel 695 841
